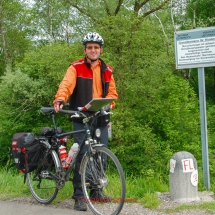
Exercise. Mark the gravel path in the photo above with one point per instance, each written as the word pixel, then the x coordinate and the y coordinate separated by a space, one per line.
pixel 135 208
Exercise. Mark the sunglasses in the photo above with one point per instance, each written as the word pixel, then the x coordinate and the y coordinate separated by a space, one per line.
pixel 91 47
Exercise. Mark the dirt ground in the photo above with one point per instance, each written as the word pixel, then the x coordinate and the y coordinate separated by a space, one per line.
pixel 137 209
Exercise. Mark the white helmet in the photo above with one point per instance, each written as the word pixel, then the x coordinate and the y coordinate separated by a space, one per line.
pixel 93 37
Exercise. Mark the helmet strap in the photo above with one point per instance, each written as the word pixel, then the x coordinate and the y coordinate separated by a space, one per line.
pixel 91 61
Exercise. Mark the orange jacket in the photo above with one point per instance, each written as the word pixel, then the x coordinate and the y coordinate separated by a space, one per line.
pixel 68 84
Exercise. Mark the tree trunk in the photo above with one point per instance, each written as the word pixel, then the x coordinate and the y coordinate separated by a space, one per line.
pixel 50 21
pixel 4 47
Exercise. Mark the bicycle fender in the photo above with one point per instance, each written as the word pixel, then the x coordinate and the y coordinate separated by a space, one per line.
pixel 56 159
pixel 100 144
pixel 54 153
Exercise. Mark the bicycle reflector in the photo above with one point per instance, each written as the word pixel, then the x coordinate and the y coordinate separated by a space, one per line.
pixel 98 132
pixel 63 139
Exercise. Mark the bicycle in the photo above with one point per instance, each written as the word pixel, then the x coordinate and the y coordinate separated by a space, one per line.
pixel 100 169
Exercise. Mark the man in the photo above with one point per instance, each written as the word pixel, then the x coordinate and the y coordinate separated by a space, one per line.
pixel 85 79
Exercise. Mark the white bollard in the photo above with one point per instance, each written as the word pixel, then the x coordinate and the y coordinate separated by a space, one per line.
pixel 183 178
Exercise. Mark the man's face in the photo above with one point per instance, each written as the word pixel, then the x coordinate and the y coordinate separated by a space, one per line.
pixel 93 50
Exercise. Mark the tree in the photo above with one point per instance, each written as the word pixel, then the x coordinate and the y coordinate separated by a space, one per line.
pixel 54 21
pixel 201 12
pixel 94 12
pixel 13 31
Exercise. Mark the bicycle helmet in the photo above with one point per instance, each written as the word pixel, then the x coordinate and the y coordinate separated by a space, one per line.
pixel 93 37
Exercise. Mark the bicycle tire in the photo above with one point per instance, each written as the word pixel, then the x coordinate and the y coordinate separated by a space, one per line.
pixel 106 197
pixel 41 184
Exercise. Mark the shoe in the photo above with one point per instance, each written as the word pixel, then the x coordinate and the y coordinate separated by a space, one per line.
pixel 80 205
pixel 98 196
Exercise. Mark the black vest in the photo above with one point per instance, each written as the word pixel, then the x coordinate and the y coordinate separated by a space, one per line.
pixel 82 93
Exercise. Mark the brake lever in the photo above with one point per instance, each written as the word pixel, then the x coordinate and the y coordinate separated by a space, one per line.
pixel 76 115
pixel 104 112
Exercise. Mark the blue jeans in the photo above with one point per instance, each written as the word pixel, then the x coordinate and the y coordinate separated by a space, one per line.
pixel 78 193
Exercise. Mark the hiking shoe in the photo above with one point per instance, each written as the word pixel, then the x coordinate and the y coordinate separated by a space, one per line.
pixel 98 196
pixel 80 205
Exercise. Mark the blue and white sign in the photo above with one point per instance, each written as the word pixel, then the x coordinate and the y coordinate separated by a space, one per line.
pixel 195 48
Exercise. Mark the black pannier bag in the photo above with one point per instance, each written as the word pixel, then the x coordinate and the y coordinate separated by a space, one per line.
pixel 26 151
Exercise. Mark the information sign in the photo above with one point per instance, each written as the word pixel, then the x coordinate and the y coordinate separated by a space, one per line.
pixel 195 48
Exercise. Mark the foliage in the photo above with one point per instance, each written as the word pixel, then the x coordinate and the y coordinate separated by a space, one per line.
pixel 211 138
pixel 160 110
pixel 14 31
pixel 155 128
pixel 29 88
pixel 49 63
pixel 202 12
pixel 53 21
pixel 19 97
pixel 157 113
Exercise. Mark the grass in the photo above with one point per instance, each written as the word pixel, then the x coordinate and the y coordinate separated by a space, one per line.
pixel 150 200
pixel 138 189
pixel 207 206
pixel 12 186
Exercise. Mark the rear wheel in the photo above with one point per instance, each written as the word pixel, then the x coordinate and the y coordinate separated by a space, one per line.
pixel 41 182
pixel 103 182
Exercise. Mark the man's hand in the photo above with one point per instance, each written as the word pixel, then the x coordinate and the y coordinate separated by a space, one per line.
pixel 58 105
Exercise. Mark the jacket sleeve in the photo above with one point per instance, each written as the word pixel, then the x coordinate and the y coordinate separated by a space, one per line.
pixel 112 93
pixel 67 85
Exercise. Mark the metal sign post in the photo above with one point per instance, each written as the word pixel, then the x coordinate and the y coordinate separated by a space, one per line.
pixel 196 49
pixel 203 119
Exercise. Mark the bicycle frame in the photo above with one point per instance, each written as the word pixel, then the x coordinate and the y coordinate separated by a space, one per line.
pixel 87 140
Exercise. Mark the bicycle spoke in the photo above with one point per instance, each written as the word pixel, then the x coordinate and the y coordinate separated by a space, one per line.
pixel 105 196
pixel 41 184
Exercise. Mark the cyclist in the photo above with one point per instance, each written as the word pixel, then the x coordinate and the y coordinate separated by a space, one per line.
pixel 85 79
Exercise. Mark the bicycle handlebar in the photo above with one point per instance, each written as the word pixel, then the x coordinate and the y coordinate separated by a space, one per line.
pixel 76 114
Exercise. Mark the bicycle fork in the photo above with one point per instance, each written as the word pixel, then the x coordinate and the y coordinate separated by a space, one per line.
pixel 88 143
pixel 96 165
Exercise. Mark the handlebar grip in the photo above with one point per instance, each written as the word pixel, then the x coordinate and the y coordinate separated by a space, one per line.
pixel 67 111
pixel 52 110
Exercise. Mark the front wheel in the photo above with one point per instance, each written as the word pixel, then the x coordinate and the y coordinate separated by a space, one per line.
pixel 103 182
pixel 40 181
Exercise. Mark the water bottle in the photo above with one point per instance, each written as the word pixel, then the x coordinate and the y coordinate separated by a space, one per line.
pixel 63 156
pixel 72 151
